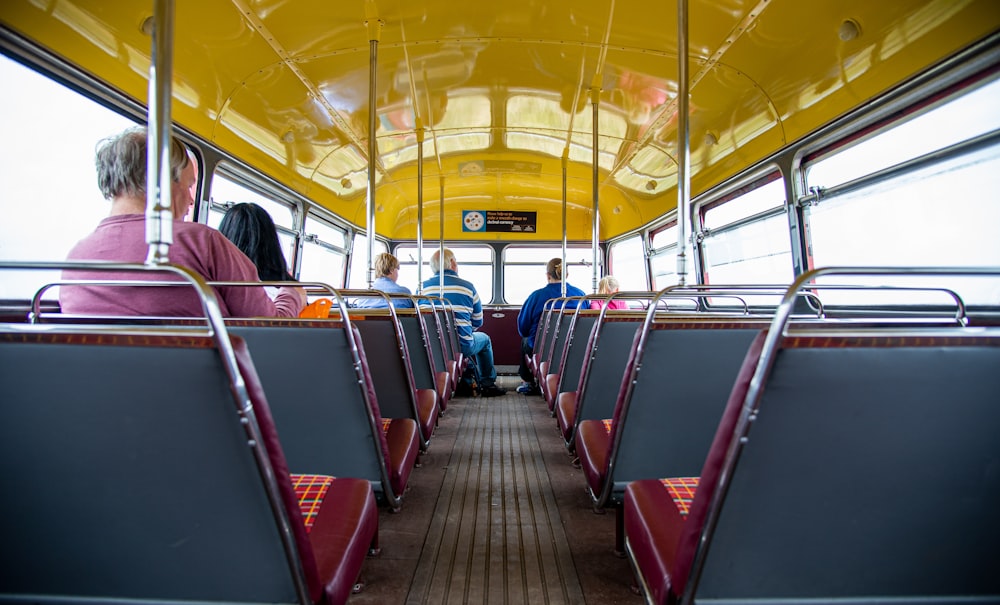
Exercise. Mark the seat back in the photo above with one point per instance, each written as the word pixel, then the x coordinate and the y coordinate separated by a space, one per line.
pixel 558 328
pixel 604 364
pixel 127 474
pixel 542 334
pixel 392 376
pixel 418 337
pixel 326 408
pixel 864 469
pixel 672 398
pixel 576 349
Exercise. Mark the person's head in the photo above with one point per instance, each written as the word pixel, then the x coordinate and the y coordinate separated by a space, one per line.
pixel 554 270
pixel 449 261
pixel 607 285
pixel 387 265
pixel 251 228
pixel 121 169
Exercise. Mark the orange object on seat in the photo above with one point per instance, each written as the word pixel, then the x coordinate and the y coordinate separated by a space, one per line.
pixel 318 309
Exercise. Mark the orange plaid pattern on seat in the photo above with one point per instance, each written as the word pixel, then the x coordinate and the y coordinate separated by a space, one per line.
pixel 681 490
pixel 385 424
pixel 607 425
pixel 310 490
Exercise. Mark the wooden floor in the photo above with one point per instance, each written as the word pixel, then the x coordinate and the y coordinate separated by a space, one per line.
pixel 496 514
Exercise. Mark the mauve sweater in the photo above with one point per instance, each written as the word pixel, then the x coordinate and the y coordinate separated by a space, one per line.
pixel 200 248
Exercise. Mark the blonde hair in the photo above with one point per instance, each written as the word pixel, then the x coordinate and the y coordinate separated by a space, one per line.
pixel 607 285
pixel 384 264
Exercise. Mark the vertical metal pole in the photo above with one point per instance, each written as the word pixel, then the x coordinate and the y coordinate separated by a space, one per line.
pixel 159 214
pixel 441 240
pixel 683 142
pixel 595 99
pixel 420 202
pixel 565 167
pixel 374 33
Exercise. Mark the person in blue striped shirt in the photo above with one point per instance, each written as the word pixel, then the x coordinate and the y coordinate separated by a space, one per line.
pixel 468 316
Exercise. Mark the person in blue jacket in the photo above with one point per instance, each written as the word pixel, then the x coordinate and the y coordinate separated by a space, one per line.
pixel 531 313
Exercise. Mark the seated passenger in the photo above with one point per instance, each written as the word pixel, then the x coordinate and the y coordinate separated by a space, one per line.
pixel 608 286
pixel 386 274
pixel 531 313
pixel 468 316
pixel 252 229
pixel 121 176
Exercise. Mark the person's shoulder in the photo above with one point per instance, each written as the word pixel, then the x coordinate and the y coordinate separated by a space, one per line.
pixel 461 281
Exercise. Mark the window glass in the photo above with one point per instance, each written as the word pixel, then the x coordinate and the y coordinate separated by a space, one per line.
pixel 664 268
pixel 754 252
pixel 358 279
pixel 475 263
pixel 323 254
pixel 316 228
pixel 227 192
pixel 666 236
pixel 322 264
pixel 953 122
pixel 233 193
pixel 627 262
pixel 942 215
pixel 524 269
pixel 760 199
pixel 47 126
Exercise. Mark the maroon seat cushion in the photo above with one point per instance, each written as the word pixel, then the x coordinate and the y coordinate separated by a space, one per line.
pixel 566 413
pixel 551 385
pixel 345 527
pixel 427 410
pixel 444 388
pixel 404 445
pixel 592 445
pixel 653 524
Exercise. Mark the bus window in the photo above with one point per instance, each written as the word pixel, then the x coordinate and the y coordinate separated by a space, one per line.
pixel 958 120
pixel 475 263
pixel 226 193
pixel 745 239
pixel 358 278
pixel 940 213
pixel 49 198
pixel 324 255
pixel 524 269
pixel 627 262
pixel 663 259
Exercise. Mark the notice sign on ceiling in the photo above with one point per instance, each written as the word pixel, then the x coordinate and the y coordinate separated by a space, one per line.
pixel 498 221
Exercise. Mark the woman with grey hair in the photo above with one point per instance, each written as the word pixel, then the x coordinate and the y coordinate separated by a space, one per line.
pixel 121 237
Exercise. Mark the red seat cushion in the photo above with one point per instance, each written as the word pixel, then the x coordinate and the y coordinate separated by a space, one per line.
pixel 566 413
pixel 653 523
pixel 344 530
pixel 427 410
pixel 592 446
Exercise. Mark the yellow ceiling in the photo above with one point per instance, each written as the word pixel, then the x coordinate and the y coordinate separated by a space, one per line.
pixel 503 88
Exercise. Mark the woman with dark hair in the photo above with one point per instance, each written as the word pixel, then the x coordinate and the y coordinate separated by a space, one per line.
pixel 251 228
